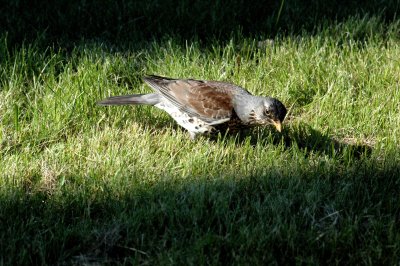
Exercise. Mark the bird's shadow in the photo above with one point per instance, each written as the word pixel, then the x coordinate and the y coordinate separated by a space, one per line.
pixel 300 135
pixel 305 138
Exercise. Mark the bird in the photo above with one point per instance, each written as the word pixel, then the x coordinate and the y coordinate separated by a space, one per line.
pixel 205 107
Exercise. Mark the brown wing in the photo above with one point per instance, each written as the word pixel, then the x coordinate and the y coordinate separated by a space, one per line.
pixel 209 100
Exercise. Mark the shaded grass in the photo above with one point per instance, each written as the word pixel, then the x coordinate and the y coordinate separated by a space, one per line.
pixel 264 217
pixel 135 20
pixel 86 184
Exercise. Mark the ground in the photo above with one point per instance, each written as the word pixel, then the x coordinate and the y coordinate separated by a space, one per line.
pixel 85 184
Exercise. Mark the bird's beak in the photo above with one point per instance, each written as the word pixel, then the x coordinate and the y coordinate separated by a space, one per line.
pixel 278 125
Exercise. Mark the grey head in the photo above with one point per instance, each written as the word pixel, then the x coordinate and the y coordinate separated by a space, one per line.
pixel 257 110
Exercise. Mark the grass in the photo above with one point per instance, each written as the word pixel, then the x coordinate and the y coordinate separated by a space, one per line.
pixel 83 184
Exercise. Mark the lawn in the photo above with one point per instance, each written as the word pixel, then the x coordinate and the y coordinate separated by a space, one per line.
pixel 86 184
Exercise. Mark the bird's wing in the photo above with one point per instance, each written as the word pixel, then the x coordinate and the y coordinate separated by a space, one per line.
pixel 210 101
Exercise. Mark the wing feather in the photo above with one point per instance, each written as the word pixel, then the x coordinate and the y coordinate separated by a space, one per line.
pixel 210 101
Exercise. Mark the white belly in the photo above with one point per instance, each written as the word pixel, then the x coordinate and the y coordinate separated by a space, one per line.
pixel 192 124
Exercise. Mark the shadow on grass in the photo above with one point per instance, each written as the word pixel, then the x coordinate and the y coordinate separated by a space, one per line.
pixel 304 137
pixel 64 22
pixel 312 140
pixel 345 213
pixel 342 215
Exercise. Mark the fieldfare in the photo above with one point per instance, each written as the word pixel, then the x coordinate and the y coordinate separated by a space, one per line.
pixel 205 107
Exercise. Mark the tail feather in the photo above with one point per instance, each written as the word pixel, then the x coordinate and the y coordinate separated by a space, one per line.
pixel 149 99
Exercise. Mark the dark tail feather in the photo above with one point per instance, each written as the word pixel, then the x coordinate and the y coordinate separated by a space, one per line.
pixel 150 99
pixel 155 77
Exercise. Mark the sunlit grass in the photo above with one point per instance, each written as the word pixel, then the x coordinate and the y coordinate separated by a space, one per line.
pixel 82 183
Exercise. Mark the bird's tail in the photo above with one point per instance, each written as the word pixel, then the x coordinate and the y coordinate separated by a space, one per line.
pixel 149 99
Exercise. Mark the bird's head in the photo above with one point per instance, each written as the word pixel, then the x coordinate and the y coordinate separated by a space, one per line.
pixel 269 111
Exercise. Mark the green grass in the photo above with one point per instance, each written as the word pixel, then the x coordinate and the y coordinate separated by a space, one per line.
pixel 80 183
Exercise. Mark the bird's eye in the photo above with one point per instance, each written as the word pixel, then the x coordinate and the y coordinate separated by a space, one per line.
pixel 267 112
